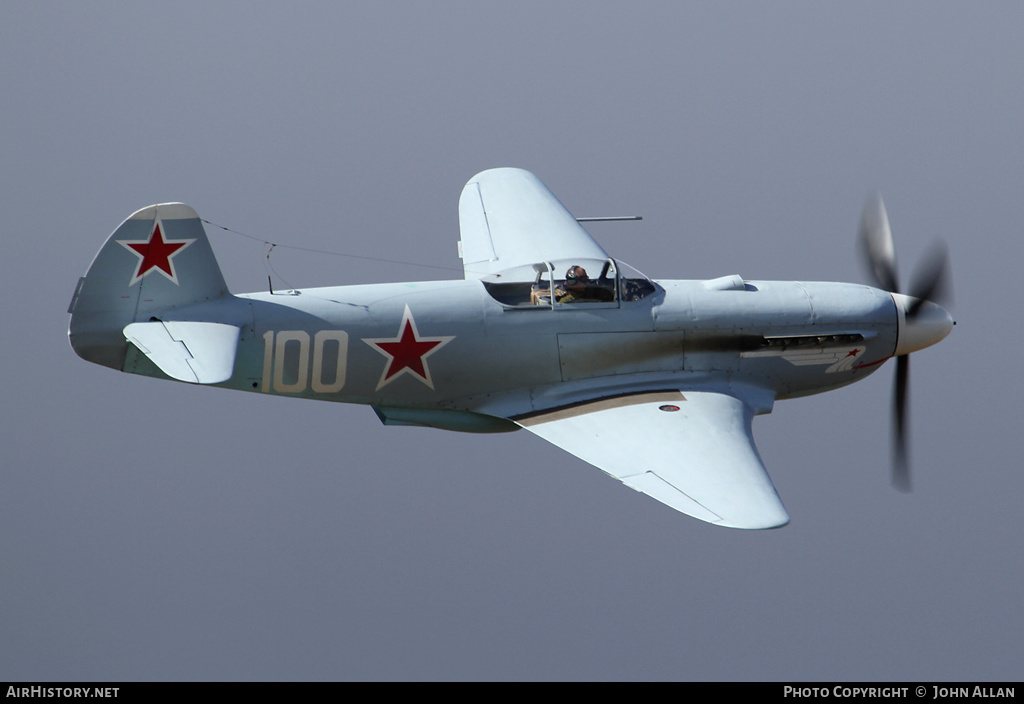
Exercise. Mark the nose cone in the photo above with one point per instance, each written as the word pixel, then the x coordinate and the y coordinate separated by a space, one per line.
pixel 922 328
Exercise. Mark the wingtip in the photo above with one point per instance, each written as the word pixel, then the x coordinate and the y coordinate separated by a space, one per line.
pixel 763 523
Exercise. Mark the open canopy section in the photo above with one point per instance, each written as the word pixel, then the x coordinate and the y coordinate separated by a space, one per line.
pixel 563 283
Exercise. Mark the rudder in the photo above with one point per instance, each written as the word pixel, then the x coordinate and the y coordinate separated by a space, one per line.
pixel 158 259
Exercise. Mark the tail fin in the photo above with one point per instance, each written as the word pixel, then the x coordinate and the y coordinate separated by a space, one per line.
pixel 158 259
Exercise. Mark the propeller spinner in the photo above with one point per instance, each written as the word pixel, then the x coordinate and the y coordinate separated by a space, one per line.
pixel 922 321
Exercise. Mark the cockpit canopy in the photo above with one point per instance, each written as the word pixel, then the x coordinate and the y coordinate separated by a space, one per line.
pixel 590 283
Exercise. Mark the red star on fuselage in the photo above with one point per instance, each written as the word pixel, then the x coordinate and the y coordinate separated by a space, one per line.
pixel 155 253
pixel 408 352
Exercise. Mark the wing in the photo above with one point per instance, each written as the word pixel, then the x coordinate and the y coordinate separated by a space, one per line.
pixel 699 459
pixel 508 218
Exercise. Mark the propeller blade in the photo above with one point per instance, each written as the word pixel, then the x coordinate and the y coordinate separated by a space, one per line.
pixel 876 244
pixel 930 323
pixel 931 281
pixel 900 462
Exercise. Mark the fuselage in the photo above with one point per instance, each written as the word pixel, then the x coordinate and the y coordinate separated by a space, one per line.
pixel 452 346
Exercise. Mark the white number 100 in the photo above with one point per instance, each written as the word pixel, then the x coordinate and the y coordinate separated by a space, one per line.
pixel 286 361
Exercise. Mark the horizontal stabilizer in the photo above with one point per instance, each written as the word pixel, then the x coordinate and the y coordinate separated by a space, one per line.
pixel 199 353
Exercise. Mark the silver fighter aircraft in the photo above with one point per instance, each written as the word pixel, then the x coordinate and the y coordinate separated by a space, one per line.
pixel 654 382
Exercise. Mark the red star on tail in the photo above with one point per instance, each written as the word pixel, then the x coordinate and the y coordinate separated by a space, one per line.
pixel 155 253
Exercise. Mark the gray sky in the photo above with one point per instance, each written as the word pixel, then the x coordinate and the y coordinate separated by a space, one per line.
pixel 151 530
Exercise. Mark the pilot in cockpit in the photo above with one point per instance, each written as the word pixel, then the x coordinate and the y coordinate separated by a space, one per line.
pixel 580 287
pixel 575 286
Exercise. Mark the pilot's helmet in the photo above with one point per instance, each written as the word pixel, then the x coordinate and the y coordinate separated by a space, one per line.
pixel 574 274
